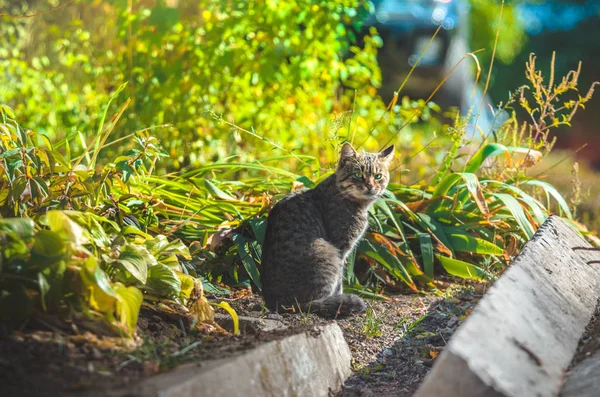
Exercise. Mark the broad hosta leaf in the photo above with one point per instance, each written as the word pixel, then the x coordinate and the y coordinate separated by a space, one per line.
pixel 164 281
pixel 187 283
pixel 466 243
pixel 59 221
pixel 21 227
pixel 48 244
pixel 128 306
pixel 136 259
pixel 166 251
pixel 99 292
pixel 462 269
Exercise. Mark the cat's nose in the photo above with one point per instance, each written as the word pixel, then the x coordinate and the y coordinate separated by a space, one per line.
pixel 370 188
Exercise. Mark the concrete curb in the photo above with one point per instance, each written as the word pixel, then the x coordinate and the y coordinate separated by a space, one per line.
pixel 305 364
pixel 521 337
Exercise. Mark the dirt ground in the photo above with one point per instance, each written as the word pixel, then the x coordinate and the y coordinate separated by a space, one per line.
pixel 590 341
pixel 393 346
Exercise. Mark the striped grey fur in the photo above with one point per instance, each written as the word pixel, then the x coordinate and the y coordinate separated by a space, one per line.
pixel 311 232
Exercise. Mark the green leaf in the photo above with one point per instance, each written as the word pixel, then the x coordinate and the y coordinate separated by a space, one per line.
pixel 59 222
pixel 489 150
pixel 437 229
pixel 48 244
pixel 165 250
pixel 212 289
pixel 247 259
pixel 467 243
pixel 462 269
pixel 306 182
pixel 99 292
pixel 164 281
pixel 539 212
pixel 426 253
pixel 388 261
pixel 21 227
pixel 549 189
pixel 187 284
pixel 259 228
pixel 473 187
pixel 215 191
pixel 136 260
pixel 128 307
pixel 445 184
pixel 515 208
pixel 44 287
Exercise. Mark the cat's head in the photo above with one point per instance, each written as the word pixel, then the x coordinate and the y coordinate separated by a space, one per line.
pixel 363 176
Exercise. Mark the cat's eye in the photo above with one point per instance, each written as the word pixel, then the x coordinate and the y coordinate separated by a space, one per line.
pixel 378 176
pixel 358 176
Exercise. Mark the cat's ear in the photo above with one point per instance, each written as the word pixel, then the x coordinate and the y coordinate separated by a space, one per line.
pixel 387 155
pixel 347 151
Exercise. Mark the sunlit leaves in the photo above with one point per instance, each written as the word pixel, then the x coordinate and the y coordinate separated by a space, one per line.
pixel 232 313
pixel 462 269
pixel 128 307
pixel 77 258
pixel 163 281
pixel 135 260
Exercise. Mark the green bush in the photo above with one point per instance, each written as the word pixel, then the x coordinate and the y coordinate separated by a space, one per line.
pixel 75 250
pixel 282 68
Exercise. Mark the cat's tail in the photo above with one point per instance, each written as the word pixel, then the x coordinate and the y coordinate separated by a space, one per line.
pixel 335 306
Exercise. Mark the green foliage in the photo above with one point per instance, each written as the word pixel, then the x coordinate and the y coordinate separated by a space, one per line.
pixel 372 324
pixel 99 230
pixel 475 213
pixel 272 65
pixel 484 25
pixel 98 264
pixel 35 176
pixel 83 262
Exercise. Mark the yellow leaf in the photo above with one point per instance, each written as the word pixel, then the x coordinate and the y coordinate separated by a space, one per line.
pixel 232 313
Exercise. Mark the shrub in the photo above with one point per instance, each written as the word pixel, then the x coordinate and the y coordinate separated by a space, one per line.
pixel 89 267
pixel 280 67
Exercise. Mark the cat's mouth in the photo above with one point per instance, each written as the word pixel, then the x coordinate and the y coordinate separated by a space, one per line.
pixel 364 194
pixel 370 194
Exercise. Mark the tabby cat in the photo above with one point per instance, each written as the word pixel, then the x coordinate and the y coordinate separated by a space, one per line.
pixel 311 232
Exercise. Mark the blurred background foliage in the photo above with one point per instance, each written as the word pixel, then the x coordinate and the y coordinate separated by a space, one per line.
pixel 168 129
pixel 277 68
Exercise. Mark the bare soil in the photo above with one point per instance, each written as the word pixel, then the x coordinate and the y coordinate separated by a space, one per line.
pixel 590 341
pixel 393 347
